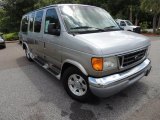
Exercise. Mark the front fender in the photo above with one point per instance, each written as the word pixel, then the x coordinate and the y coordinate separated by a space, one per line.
pixel 76 64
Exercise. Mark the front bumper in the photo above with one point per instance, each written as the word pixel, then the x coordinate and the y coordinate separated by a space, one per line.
pixel 137 30
pixel 110 85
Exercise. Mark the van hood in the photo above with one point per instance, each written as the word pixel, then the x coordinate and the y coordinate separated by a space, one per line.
pixel 115 42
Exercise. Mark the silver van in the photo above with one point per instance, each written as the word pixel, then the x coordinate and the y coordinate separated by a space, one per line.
pixel 85 48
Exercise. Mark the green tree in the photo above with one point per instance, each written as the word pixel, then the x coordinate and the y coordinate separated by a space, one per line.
pixel 12 11
pixel 42 3
pixel 152 6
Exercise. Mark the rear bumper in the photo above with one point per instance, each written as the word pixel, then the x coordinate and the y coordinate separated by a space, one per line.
pixel 110 85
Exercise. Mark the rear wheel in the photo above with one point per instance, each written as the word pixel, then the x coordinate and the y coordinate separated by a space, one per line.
pixel 76 84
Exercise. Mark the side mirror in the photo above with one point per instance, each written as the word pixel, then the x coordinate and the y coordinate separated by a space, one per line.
pixel 53 30
pixel 121 28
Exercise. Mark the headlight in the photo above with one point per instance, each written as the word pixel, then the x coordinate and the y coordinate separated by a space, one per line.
pixel 108 63
pixel 148 51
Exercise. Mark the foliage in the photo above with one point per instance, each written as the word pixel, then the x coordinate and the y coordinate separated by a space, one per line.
pixel 158 32
pixel 11 36
pixel 144 31
pixel 136 10
pixel 144 25
pixel 152 6
pixel 11 13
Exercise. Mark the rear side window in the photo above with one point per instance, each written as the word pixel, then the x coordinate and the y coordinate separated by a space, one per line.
pixel 31 22
pixel 51 18
pixel 24 26
pixel 38 21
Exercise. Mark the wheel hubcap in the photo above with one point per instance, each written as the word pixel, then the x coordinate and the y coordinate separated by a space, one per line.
pixel 77 85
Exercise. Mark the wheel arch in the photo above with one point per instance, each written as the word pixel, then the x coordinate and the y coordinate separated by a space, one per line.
pixel 69 63
pixel 24 45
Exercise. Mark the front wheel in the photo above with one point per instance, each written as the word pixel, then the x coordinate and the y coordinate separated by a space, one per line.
pixel 28 54
pixel 76 84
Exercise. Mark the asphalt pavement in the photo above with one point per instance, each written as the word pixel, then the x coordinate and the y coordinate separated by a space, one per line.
pixel 28 92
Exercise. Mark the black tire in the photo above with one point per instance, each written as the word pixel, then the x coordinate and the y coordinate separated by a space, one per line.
pixel 28 56
pixel 65 77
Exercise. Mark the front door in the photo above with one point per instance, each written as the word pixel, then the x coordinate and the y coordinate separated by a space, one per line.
pixel 52 42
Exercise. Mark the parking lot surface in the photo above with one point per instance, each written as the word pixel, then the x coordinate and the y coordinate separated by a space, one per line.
pixel 28 92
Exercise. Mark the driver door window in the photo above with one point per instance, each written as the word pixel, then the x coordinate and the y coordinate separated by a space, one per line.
pixel 51 18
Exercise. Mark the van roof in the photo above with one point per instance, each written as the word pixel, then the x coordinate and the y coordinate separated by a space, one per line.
pixel 56 5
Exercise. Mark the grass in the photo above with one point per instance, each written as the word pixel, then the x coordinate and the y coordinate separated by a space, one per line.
pixel 11 36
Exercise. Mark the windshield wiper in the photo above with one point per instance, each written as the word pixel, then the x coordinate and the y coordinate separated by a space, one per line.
pixel 87 27
pixel 112 28
pixel 81 27
pixel 109 27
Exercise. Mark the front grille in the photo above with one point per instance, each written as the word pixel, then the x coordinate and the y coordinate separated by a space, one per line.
pixel 137 30
pixel 132 58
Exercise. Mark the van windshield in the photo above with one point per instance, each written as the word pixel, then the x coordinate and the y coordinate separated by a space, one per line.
pixel 84 19
pixel 129 23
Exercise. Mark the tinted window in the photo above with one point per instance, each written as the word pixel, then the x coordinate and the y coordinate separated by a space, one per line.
pixel 24 24
pixel 51 18
pixel 38 21
pixel 31 22
pixel 122 23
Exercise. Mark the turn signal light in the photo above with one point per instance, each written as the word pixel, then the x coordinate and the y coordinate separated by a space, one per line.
pixel 97 64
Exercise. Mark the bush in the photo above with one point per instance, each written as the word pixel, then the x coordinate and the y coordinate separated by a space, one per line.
pixel 144 25
pixel 11 36
pixel 144 31
pixel 158 32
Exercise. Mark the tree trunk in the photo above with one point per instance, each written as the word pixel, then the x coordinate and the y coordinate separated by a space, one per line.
pixel 130 16
pixel 154 23
pixel 136 20
pixel 158 27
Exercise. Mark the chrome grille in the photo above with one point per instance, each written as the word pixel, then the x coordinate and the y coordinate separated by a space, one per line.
pixel 132 58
